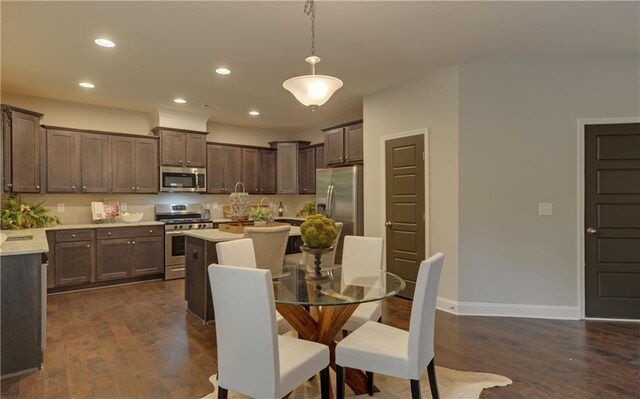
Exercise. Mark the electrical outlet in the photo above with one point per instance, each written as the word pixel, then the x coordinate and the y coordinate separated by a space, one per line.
pixel 60 208
pixel 123 206
pixel 545 209
pixel 214 206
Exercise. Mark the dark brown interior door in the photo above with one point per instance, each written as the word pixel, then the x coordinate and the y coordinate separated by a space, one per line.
pixel 405 208
pixel 612 220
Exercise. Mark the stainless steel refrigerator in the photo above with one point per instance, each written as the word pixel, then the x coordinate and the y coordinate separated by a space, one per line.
pixel 339 196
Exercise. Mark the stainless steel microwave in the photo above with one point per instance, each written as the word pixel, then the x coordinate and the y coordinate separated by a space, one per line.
pixel 183 179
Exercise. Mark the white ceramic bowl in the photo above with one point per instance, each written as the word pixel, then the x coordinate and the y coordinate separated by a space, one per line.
pixel 132 217
pixel 3 238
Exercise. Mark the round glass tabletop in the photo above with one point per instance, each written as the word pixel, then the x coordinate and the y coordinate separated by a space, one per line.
pixel 341 287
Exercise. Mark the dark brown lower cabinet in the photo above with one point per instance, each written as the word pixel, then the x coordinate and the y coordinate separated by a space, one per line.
pixel 113 259
pixel 147 255
pixel 74 262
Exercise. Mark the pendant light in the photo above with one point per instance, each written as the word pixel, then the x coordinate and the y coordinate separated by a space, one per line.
pixel 312 90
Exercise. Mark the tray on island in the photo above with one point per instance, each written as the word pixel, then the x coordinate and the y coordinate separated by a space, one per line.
pixel 239 228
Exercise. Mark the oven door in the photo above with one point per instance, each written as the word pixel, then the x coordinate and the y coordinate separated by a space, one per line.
pixel 174 248
pixel 182 179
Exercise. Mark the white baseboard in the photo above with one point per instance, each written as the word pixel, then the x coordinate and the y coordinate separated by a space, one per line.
pixel 508 310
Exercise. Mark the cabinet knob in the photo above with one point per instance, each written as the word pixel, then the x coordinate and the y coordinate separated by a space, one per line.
pixel 180 161
pixel 84 187
pixel 10 185
pixel 73 236
pixel 128 242
pixel 134 243
pixel 73 187
pixel 188 162
pixel 38 187
pixel 150 231
pixel 88 246
pixel 133 188
pixel 108 233
pixel 137 188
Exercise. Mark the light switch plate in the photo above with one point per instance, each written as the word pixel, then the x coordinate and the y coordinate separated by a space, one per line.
pixel 60 207
pixel 545 209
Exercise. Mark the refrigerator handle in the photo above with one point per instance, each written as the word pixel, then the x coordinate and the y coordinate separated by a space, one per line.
pixel 330 202
pixel 327 206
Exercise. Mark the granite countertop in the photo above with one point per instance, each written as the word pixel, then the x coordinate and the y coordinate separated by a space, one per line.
pixel 217 235
pixel 276 218
pixel 38 244
pixel 103 225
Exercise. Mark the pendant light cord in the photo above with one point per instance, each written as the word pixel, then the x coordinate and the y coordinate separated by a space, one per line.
pixel 310 9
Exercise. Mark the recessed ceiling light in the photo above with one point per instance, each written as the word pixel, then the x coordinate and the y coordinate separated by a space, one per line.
pixel 223 71
pixel 104 43
pixel 254 113
pixel 87 85
pixel 179 101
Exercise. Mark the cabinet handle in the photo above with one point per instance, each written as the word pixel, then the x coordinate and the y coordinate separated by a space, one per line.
pixel 88 246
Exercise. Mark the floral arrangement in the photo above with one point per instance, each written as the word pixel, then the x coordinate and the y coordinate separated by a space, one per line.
pixel 18 214
pixel 260 213
pixel 318 232
pixel 308 209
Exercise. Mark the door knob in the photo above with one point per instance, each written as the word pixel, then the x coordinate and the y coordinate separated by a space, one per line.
pixel 388 224
pixel 591 230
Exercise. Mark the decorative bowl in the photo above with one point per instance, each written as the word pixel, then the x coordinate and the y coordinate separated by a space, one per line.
pixel 131 217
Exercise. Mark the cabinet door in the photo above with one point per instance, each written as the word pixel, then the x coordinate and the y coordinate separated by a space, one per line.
pixel 74 262
pixel 287 168
pixel 268 171
pixel 25 151
pixel 306 171
pixel 123 161
pixel 113 259
pixel 320 164
pixel 353 136
pixel 215 169
pixel 334 146
pixel 63 163
pixel 146 166
pixel 6 151
pixel 232 168
pixel 173 148
pixel 147 255
pixel 251 170
pixel 94 163
pixel 196 147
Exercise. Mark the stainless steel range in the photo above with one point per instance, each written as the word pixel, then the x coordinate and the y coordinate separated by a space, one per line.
pixel 178 218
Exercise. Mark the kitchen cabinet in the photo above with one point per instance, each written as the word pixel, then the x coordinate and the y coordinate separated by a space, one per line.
pixel 73 256
pixel 307 171
pixel 320 164
pixel 147 255
pixel 182 147
pixel 344 144
pixel 113 259
pixel 21 150
pixel 268 171
pixel 134 165
pixel 77 162
pixel 251 170
pixel 224 168
pixel 287 168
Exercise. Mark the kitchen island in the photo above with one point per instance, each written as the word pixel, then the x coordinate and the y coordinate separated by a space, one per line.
pixel 23 303
pixel 200 252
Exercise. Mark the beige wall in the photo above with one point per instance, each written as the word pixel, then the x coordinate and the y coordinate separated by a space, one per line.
pixel 518 147
pixel 430 102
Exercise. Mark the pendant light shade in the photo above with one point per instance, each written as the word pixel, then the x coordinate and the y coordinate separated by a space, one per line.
pixel 313 90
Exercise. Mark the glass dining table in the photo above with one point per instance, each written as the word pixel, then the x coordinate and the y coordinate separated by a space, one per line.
pixel 318 309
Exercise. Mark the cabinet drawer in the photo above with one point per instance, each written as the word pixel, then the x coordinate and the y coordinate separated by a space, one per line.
pixel 75 235
pixel 130 232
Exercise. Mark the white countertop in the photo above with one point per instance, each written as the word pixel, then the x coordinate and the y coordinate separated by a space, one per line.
pixel 103 225
pixel 276 218
pixel 38 244
pixel 217 235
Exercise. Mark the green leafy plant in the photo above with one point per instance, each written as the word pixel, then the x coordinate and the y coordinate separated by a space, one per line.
pixel 18 214
pixel 308 209
pixel 318 232
pixel 260 213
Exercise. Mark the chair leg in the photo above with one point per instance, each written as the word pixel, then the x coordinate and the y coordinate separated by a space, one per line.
pixel 345 333
pixel 325 383
pixel 431 371
pixel 370 383
pixel 339 382
pixel 222 393
pixel 415 390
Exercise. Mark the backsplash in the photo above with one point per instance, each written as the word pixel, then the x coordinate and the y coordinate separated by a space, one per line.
pixel 77 207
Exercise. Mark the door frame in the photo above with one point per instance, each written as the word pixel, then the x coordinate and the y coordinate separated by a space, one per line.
pixel 582 122
pixel 383 178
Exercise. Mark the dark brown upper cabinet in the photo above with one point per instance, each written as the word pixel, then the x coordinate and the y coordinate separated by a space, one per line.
pixel 307 170
pixel 182 147
pixel 134 165
pixel 77 162
pixel 251 170
pixel 320 163
pixel 224 168
pixel 287 176
pixel 344 144
pixel 268 171
pixel 21 150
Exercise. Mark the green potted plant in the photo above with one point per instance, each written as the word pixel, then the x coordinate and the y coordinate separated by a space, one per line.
pixel 308 209
pixel 260 215
pixel 18 214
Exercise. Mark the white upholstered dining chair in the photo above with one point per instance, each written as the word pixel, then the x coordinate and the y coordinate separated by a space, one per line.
pixel 378 348
pixel 264 365
pixel 270 245
pixel 362 257
pixel 304 260
pixel 240 253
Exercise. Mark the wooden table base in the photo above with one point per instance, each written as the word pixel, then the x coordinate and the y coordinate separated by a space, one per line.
pixel 322 325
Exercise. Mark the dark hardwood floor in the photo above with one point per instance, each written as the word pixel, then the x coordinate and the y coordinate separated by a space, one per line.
pixel 137 341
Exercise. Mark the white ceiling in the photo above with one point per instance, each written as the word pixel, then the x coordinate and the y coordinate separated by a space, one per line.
pixel 170 49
